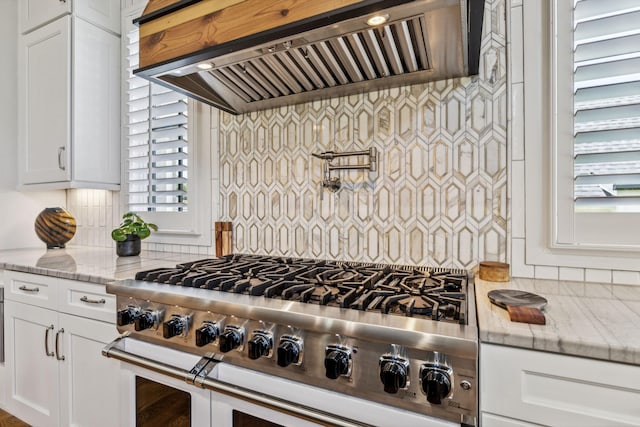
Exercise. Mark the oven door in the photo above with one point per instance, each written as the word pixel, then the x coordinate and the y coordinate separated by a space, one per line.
pixel 149 398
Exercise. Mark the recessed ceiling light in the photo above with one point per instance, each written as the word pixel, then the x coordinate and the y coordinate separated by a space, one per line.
pixel 377 20
pixel 205 66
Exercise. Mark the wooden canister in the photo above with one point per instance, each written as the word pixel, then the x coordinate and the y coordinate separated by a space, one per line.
pixel 494 271
pixel 224 238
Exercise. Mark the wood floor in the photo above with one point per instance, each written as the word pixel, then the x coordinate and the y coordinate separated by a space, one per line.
pixel 8 420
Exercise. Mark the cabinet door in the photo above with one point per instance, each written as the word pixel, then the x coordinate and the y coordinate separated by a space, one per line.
pixel 44 103
pixel 89 382
pixel 32 374
pixel 96 104
pixel 103 13
pixel 34 13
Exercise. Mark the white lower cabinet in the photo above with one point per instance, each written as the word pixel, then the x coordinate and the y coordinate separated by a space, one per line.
pixel 55 372
pixel 32 367
pixel 89 382
pixel 2 341
pixel 521 387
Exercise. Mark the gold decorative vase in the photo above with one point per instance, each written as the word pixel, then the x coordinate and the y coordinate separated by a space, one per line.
pixel 55 227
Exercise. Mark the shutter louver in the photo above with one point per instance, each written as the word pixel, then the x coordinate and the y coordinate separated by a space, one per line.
pixel 607 105
pixel 158 157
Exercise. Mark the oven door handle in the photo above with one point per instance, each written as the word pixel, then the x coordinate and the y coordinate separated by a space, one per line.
pixel 116 351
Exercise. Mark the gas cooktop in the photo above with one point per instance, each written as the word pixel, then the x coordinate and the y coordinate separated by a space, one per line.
pixel 437 294
pixel 403 336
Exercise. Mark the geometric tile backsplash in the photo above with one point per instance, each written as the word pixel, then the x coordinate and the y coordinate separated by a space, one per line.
pixel 439 196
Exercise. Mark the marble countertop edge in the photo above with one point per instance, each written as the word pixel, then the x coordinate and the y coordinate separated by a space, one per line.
pixel 592 320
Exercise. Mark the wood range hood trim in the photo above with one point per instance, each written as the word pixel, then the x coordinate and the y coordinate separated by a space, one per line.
pixel 304 50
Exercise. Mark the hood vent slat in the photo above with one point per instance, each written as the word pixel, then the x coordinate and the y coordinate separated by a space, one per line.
pixel 351 58
pixel 363 57
pixel 326 50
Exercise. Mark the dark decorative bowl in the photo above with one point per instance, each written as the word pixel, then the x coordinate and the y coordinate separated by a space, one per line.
pixel 55 227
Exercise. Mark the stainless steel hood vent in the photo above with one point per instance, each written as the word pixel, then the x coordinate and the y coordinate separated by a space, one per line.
pixel 428 40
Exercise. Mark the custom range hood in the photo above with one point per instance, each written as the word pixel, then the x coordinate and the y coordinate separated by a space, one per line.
pixel 248 55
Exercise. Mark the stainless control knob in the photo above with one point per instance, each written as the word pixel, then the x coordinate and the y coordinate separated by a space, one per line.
pixel 231 338
pixel 436 384
pixel 289 351
pixel 177 325
pixel 144 321
pixel 206 334
pixel 259 345
pixel 337 362
pixel 128 315
pixel 393 376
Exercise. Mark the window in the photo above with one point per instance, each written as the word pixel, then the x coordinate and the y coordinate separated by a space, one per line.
pixel 582 132
pixel 607 105
pixel 158 149
pixel 166 155
pixel 597 121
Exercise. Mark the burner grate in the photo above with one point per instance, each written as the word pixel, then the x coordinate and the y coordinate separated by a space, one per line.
pixel 435 293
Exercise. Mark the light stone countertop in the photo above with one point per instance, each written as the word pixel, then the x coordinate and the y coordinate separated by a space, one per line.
pixel 599 321
pixel 88 264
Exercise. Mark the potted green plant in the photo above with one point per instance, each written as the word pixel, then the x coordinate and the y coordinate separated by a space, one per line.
pixel 129 234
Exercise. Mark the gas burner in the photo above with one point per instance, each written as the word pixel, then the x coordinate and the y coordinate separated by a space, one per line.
pixel 395 290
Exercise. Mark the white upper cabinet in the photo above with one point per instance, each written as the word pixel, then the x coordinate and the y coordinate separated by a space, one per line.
pixel 34 13
pixel 103 13
pixel 69 103
pixel 44 114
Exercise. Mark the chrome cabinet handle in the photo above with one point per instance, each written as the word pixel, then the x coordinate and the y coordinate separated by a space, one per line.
pixel 61 331
pixel 60 151
pixel 46 341
pixel 93 301
pixel 24 288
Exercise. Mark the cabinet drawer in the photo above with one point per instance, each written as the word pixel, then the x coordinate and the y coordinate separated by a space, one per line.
pixel 491 420
pixel 87 300
pixel 558 390
pixel 31 289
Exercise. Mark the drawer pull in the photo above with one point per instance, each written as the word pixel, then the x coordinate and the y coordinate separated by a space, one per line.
pixel 58 356
pixel 93 301
pixel 46 341
pixel 24 288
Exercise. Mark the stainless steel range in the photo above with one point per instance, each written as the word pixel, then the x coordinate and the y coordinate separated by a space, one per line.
pixel 388 338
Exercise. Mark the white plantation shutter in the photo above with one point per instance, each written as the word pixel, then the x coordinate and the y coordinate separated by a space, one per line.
pixel 157 135
pixel 607 105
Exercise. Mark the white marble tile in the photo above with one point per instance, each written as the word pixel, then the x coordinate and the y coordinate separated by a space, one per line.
pixel 567 273
pixel 626 277
pixel 546 272
pixel 596 275
pixel 517 122
pixel 516 58
pixel 518 211
pixel 519 268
